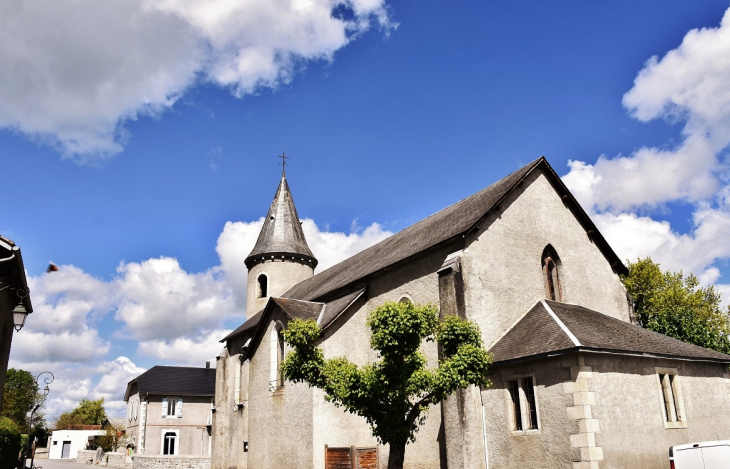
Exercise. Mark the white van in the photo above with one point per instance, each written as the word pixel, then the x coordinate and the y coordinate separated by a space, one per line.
pixel 705 455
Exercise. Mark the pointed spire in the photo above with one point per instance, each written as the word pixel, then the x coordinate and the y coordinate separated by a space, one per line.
pixel 281 237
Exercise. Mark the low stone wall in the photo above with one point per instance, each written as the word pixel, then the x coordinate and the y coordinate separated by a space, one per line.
pixel 114 460
pixel 41 453
pixel 141 461
pixel 85 456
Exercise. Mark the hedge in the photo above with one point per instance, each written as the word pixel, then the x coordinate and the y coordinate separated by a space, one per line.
pixel 9 443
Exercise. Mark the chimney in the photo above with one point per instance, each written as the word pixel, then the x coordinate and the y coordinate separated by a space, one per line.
pixel 207 364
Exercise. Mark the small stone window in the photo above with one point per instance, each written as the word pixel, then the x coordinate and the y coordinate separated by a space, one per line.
pixel 263 286
pixel 672 404
pixel 277 358
pixel 522 405
pixel 551 274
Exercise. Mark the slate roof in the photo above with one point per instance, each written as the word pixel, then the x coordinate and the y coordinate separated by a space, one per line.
pixel 442 226
pixel 335 308
pixel 447 224
pixel 282 233
pixel 298 309
pixel 302 310
pixel 247 327
pixel 574 328
pixel 176 380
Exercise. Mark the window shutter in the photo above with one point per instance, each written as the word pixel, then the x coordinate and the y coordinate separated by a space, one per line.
pixel 179 407
pixel 164 407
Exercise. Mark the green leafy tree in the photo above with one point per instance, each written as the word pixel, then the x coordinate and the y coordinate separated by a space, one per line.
pixel 394 393
pixel 677 306
pixel 9 443
pixel 111 440
pixel 86 413
pixel 41 433
pixel 20 396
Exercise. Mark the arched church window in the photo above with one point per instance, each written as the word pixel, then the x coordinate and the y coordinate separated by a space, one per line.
pixel 263 286
pixel 405 299
pixel 551 274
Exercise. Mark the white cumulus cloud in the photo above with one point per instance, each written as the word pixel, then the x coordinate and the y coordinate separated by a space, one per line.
pixel 192 350
pixel 173 315
pixel 158 299
pixel 72 72
pixel 690 84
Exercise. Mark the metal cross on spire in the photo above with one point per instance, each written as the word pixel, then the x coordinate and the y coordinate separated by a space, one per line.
pixel 283 162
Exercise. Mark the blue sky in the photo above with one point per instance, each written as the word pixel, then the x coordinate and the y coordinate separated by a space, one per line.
pixel 140 155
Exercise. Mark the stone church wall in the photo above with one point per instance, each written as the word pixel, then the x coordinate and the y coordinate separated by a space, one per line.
pixel 603 410
pixel 349 336
pixel 230 421
pixel 630 410
pixel 502 261
pixel 549 446
pixel 281 421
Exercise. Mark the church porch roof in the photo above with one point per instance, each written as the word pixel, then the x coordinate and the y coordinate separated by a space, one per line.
pixel 554 328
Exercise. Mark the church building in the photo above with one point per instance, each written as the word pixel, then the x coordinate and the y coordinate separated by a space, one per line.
pixel 575 384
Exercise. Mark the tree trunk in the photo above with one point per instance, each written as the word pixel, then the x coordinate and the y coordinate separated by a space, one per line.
pixel 397 455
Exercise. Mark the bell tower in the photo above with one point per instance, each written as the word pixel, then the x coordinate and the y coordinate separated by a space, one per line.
pixel 281 257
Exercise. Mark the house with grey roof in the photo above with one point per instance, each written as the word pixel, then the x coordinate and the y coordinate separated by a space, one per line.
pixel 575 383
pixel 169 411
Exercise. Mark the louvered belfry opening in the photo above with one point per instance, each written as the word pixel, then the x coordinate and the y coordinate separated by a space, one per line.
pixel 551 274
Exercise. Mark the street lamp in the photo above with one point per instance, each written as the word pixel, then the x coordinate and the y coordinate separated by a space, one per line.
pixel 46 390
pixel 19 317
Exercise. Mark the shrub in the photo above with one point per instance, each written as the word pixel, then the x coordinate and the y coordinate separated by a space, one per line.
pixel 9 443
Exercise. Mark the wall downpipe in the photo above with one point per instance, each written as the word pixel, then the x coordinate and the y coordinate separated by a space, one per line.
pixel 484 429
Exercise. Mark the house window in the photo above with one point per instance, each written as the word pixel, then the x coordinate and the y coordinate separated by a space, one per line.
pixel 263 286
pixel 672 404
pixel 522 404
pixel 551 274
pixel 172 407
pixel 169 442
pixel 171 404
pixel 277 358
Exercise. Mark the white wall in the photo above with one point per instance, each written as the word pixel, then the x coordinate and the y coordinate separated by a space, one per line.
pixel 78 439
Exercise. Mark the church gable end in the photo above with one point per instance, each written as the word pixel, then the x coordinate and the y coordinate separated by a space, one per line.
pixel 535 231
